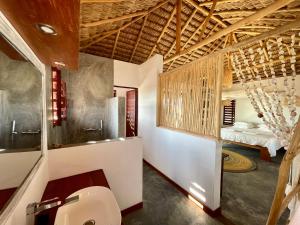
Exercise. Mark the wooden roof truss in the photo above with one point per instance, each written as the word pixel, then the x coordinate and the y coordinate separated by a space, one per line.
pixel 180 30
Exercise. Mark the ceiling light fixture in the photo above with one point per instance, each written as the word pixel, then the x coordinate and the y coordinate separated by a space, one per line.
pixel 60 64
pixel 46 29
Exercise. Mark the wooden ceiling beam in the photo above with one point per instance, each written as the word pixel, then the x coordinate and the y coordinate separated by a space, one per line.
pixel 101 1
pixel 138 38
pixel 257 27
pixel 112 20
pixel 256 16
pixel 279 30
pixel 206 12
pixel 193 35
pixel 178 25
pixel 163 31
pixel 97 35
pixel 203 27
pixel 127 24
pixel 210 49
pixel 227 39
pixel 100 38
pixel 188 21
pixel 182 30
pixel 241 12
pixel 262 19
pixel 207 19
pixel 251 33
pixel 188 41
pixel 115 45
pixel 219 2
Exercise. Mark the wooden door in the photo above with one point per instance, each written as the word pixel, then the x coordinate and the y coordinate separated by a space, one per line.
pixel 131 113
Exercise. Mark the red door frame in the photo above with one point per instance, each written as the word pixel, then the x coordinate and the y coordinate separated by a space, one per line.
pixel 136 105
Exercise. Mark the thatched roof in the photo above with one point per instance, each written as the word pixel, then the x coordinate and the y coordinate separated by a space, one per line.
pixel 134 30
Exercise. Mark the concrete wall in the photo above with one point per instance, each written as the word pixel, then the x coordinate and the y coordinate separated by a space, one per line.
pixel 20 85
pixel 120 160
pixel 87 91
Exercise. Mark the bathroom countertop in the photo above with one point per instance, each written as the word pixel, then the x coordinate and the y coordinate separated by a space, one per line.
pixel 5 195
pixel 63 187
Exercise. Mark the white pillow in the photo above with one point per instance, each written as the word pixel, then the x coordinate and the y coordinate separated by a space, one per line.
pixel 244 125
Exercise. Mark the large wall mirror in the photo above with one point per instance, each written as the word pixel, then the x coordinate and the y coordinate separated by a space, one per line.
pixel 20 119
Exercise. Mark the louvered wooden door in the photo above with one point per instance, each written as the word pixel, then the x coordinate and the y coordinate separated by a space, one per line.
pixel 131 113
pixel 229 113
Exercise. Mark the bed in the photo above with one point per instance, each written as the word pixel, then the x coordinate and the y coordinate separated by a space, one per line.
pixel 254 137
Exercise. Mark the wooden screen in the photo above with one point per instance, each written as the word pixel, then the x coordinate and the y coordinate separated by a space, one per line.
pixel 229 113
pixel 189 97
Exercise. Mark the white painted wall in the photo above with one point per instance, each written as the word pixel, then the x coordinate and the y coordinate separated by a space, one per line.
pixel 121 92
pixel 245 112
pixel 33 193
pixel 190 161
pixel 120 160
pixel 126 74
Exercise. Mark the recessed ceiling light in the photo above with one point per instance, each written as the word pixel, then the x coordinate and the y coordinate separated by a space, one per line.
pixel 46 29
pixel 60 64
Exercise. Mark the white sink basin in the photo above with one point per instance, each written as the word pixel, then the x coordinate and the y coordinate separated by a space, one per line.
pixel 96 205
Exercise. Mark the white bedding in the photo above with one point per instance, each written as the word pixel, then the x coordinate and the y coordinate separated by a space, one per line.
pixel 253 136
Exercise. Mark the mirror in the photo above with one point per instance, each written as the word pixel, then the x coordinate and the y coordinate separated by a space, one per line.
pixel 20 119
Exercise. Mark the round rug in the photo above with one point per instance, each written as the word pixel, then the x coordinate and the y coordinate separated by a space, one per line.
pixel 237 163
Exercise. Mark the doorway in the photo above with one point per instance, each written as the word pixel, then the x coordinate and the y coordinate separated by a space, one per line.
pixel 131 108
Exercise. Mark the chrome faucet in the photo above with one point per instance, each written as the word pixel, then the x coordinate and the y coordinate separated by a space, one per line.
pixel 95 129
pixel 33 209
pixel 13 127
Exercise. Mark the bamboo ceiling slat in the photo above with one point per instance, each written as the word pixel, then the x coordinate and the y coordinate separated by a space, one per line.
pixel 135 46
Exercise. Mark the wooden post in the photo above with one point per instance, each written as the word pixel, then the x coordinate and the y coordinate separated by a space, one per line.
pixel 178 25
pixel 139 38
pixel 115 45
pixel 279 199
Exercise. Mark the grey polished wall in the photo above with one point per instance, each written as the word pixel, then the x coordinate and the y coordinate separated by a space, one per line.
pixel 87 91
pixel 20 100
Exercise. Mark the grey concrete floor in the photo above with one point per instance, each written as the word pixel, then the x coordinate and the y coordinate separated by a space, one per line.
pixel 246 199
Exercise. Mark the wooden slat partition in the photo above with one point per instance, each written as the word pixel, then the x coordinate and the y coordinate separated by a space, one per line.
pixel 189 97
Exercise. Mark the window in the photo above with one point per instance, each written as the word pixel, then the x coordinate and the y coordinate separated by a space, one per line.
pixel 228 112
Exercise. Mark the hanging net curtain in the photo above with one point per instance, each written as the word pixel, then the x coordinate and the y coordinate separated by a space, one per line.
pixel 270 59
